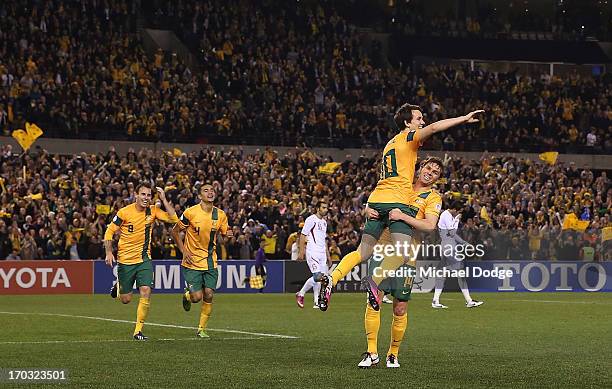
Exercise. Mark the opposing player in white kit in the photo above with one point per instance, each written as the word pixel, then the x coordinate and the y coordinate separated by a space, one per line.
pixel 313 247
pixel 448 224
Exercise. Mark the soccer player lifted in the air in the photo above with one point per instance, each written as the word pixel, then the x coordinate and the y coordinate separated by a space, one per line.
pixel 424 210
pixel 393 190
pixel 203 224
pixel 135 222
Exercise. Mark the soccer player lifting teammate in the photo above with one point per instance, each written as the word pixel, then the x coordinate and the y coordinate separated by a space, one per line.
pixel 393 190
pixel 203 224
pixel 423 212
pixel 135 222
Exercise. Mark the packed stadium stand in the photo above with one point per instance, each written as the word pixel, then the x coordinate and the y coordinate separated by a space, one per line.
pixel 526 201
pixel 284 73
pixel 274 73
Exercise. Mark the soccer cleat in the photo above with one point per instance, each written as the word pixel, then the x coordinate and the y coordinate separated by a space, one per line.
pixel 186 301
pixel 436 304
pixel 325 292
pixel 387 300
pixel 299 300
pixel 392 361
pixel 372 289
pixel 474 304
pixel 316 306
pixel 114 290
pixel 140 336
pixel 202 334
pixel 368 360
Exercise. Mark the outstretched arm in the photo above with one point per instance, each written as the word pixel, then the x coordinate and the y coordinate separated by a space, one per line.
pixel 445 124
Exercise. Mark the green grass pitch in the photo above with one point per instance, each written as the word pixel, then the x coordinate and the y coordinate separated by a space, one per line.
pixel 513 340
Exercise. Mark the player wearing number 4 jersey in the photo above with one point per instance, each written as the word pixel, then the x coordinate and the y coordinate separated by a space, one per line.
pixel 135 222
pixel 393 190
pixel 203 224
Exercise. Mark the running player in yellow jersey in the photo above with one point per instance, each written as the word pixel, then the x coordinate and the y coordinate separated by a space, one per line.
pixel 135 222
pixel 393 190
pixel 204 223
pixel 425 204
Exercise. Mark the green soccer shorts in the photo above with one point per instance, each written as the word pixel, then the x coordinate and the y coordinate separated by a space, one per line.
pixel 141 273
pixel 399 287
pixel 376 227
pixel 198 279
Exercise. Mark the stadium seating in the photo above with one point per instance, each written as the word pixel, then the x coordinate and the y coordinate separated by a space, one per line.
pixel 256 91
pixel 524 201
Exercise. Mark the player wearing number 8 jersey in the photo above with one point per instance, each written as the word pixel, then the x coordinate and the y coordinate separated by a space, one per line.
pixel 393 190
pixel 135 222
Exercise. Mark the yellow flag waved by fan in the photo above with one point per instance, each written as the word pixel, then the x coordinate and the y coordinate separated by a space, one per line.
pixel 484 215
pixel 550 157
pixel 329 167
pixel 571 222
pixel 28 137
pixel 37 196
pixel 33 130
pixel 102 209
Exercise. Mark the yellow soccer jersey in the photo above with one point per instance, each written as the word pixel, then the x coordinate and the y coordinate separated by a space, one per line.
pixel 397 169
pixel 136 228
pixel 201 236
pixel 421 203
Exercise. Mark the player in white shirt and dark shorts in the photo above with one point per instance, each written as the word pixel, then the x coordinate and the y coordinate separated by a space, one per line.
pixel 312 246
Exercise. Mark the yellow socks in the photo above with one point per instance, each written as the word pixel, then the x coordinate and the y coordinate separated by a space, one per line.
pixel 398 328
pixel 345 266
pixel 372 324
pixel 141 313
pixel 204 315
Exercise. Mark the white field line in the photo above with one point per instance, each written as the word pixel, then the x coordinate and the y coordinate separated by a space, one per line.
pixel 542 301
pixel 261 334
pixel 131 340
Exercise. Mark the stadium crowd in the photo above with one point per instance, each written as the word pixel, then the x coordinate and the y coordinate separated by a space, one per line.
pixel 54 212
pixel 575 21
pixel 276 74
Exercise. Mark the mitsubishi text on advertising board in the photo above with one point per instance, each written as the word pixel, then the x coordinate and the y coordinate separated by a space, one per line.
pixel 169 279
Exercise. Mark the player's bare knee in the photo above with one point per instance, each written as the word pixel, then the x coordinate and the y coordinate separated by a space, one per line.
pixel 125 298
pixel 196 297
pixel 366 247
pixel 399 307
pixel 208 295
pixel 145 292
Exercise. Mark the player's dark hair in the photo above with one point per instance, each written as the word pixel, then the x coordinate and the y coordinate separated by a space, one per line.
pixel 143 184
pixel 320 203
pixel 205 184
pixel 432 159
pixel 455 204
pixel 404 114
